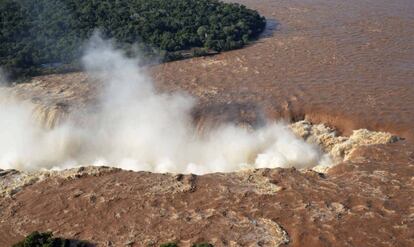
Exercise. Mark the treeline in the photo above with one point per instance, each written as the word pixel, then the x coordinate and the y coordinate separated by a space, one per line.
pixel 37 36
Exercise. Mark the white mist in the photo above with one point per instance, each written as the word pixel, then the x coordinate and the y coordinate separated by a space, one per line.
pixel 137 128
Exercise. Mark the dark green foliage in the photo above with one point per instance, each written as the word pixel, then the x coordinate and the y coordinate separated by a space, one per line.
pixel 169 245
pixel 46 239
pixel 203 245
pixel 37 239
pixel 44 35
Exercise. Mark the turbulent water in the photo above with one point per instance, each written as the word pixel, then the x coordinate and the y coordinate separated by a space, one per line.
pixel 135 127
pixel 335 61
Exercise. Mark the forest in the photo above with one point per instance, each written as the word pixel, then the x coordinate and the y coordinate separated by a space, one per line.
pixel 46 36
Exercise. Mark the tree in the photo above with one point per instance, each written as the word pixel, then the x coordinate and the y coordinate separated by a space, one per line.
pixel 37 34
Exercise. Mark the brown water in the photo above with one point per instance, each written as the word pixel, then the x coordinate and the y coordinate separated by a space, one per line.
pixel 347 63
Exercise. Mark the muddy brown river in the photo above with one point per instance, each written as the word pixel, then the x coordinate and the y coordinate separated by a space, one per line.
pixel 347 63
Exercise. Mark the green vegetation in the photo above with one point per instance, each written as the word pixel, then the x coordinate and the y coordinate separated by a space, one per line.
pixel 169 245
pixel 46 239
pixel 203 245
pixel 45 35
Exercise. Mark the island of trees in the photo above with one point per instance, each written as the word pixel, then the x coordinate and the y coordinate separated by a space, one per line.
pixel 47 35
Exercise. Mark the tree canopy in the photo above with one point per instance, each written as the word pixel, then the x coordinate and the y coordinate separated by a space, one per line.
pixel 42 34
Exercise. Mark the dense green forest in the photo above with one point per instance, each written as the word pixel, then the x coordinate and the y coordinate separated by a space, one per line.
pixel 37 36
pixel 46 239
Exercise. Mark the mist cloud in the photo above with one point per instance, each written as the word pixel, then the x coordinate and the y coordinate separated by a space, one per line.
pixel 137 128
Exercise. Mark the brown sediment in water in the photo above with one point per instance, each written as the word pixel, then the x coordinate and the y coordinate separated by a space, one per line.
pixel 363 202
pixel 335 148
pixel 349 64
